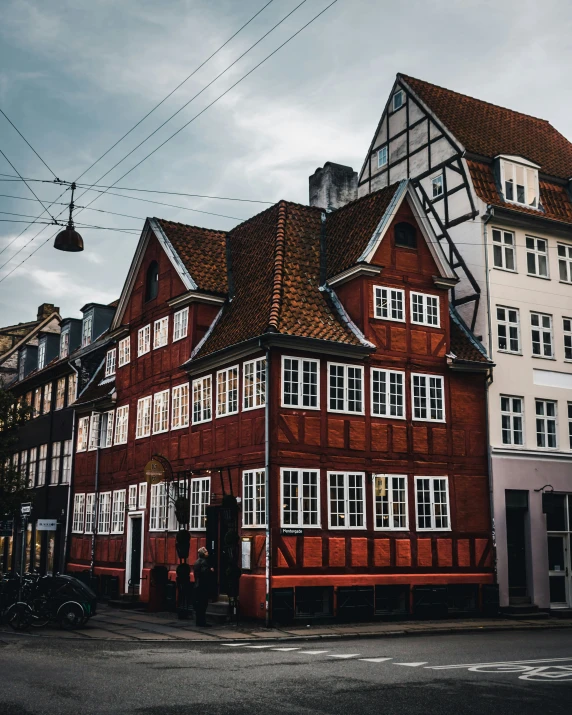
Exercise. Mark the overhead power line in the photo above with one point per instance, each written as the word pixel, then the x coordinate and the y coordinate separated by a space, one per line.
pixel 27 142
pixel 29 187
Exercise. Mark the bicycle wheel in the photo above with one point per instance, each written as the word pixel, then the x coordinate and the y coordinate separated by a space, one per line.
pixel 19 616
pixel 71 615
pixel 40 616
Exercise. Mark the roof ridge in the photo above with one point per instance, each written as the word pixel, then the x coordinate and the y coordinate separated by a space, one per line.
pixel 279 254
pixel 190 225
pixel 371 195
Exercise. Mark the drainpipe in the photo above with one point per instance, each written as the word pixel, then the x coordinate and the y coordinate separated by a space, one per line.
pixel 72 467
pixel 95 505
pixel 267 489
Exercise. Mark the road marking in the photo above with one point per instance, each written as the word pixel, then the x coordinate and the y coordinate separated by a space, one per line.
pixel 412 665
pixel 233 645
pixel 285 649
pixel 313 652
pixel 499 662
pixel 344 655
pixel 375 660
pixel 258 646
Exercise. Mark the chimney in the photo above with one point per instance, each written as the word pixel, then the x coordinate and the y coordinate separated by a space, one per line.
pixel 333 186
pixel 45 310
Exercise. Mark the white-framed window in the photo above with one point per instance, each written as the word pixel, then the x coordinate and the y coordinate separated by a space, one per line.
pixel 200 498
pixel 72 388
pixel 227 391
pixel 520 183
pixel 172 494
pixel 89 513
pixel 106 429
pixel 94 431
pixel 47 404
pixel 143 340
pixel 64 343
pixel 537 257
pixel 180 406
pixel 143 495
pixel 300 383
pixel 390 502
pixel 24 465
pixel 42 354
pixel 78 513
pixel 143 426
pixel 346 500
pixel 503 250
pixel 387 393
pixel 345 388
pixel 425 309
pixel 132 497
pixel 56 462
pixel 86 330
pixel 512 419
pixel 508 329
pixel 124 351
pixel 104 513
pixel 382 157
pixel 82 434
pixel 180 324
pixel 437 186
pixel 432 503
pixel 37 401
pixel 300 500
pixel 389 303
pixel 202 399
pixel 121 424
pixel 254 384
pixel 570 425
pixel 161 333
pixel 565 262
pixel 546 430
pixel 541 332
pixel 67 461
pixel 60 394
pixel 33 467
pixel 118 512
pixel 254 498
pixel 110 363
pixel 398 100
pixel 567 331
pixel 161 411
pixel 158 507
pixel 428 400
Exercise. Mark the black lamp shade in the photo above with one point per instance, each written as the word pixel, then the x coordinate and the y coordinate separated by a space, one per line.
pixel 69 240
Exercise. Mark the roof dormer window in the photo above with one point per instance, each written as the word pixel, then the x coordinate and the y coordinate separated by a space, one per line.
pixel 22 365
pixel 86 330
pixel 519 181
pixel 41 354
pixel 64 343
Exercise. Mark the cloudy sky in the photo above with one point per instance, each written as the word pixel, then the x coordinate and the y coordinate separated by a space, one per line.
pixel 75 75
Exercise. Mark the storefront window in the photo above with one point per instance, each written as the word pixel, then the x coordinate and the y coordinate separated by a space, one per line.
pixel 556 517
pixel 51 551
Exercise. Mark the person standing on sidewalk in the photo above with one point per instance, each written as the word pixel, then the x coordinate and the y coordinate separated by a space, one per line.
pixel 203 575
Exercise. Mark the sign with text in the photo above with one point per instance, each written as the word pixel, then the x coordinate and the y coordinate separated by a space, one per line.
pixel 46 524
pixel 26 508
pixel 154 472
pixel 291 532
pixel 246 554
pixel 6 527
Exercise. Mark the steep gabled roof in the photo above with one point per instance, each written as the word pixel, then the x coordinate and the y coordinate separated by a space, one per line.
pixel 464 345
pixel 98 388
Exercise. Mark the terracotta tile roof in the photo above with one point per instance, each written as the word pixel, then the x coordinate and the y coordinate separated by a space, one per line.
pixel 202 250
pixel 464 345
pixel 489 130
pixel 350 228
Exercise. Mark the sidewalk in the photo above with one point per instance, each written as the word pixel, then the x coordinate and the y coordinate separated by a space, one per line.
pixel 118 625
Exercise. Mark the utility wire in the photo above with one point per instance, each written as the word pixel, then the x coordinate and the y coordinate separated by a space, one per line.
pixel 28 185
pixel 27 142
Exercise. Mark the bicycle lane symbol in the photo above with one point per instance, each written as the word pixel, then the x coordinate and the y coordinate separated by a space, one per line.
pixel 544 673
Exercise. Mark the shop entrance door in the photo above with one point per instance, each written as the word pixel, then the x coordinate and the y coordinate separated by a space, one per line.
pixel 516 522
pixel 559 570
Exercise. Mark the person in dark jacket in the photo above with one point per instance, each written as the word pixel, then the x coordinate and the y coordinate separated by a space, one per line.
pixel 203 575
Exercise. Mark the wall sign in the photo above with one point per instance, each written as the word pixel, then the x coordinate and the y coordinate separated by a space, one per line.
pixel 291 532
pixel 154 472
pixel 246 553
pixel 46 524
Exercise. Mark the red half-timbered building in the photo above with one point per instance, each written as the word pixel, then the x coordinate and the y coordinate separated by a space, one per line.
pixel 310 364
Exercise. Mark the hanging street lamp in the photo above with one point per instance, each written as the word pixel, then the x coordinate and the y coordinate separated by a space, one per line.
pixel 69 239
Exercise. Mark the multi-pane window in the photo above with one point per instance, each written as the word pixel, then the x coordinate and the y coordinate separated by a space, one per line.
pixel 512 420
pixel 82 433
pixel 389 303
pixel 254 498
pixel 432 502
pixel 42 463
pixel 104 513
pixel 94 430
pixel 546 424
pixel 300 380
pixel 124 351
pixel 200 499
pixel 37 401
pixel 144 340
pixel 106 429
pixel 503 250
pixel 42 355
pixel 428 397
pixel 387 393
pixel 86 330
pixel 118 512
pixel 33 466
pixel 47 398
pixel 537 256
pixel 180 406
pixel 64 343
pixel 346 500
pixel 89 513
pixel 143 427
pixel 437 186
pixel 381 157
pixel 161 332
pixel 398 100
pixel 56 461
pixel 78 513
pixel 180 324
pixel 227 391
pixel 508 329
pixel 67 461
pixel 390 501
pixel 565 262
pixel 300 497
pixel 541 331
pixel 254 384
pixel 132 498
pixel 202 399
pixel 72 387
pixel 425 309
pixel 520 183
pixel 158 507
pixel 110 363
pixel 60 393
pixel 161 411
pixel 121 424
pixel 345 388
pixel 567 330
pixel 570 425
pixel 143 495
pixel 24 465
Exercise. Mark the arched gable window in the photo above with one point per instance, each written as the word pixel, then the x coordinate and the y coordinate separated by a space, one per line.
pixel 152 281
pixel 405 235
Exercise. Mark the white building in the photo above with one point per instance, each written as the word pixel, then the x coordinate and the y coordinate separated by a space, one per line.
pixel 496 185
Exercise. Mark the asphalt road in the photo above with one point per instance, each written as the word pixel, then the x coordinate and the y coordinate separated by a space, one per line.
pixel 517 673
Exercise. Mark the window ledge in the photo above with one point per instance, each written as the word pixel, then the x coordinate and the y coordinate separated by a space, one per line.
pixel 509 352
pixel 534 275
pixel 173 429
pixel 388 417
pixel 257 407
pixel 542 357
pixel 506 270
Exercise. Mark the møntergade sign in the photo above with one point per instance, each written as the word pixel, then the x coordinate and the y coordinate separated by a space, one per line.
pixel 291 532
pixel 46 524
pixel 154 472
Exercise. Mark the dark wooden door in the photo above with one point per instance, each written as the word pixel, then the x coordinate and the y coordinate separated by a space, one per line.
pixel 136 546
pixel 516 551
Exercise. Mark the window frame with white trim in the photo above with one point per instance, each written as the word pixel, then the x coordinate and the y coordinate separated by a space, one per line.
pixel 512 420
pixel 432 503
pixel 124 351
pixel 254 384
pixel 160 418
pixel 230 404
pixel 106 425
pixel 82 434
pixel 567 338
pixel 383 397
pixel 181 324
pixel 121 429
pixel 158 507
pixel 543 331
pixel 384 505
pixel 144 417
pixel 300 498
pixel 564 254
pixel 508 331
pixel 78 513
pixel 544 434
pixel 346 399
pixel 537 257
pixel 427 398
pixel 202 400
pixel 161 333
pixel 180 406
pixel 199 500
pixel 104 513
pixel 144 340
pixel 253 501
pixel 504 251
pixel 426 311
pixel 110 360
pixel 304 383
pixel 389 303
pixel 347 501
pixel 118 512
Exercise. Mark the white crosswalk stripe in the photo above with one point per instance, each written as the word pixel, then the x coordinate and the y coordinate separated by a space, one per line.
pixel 412 665
pixel 258 646
pixel 313 652
pixel 285 649
pixel 374 660
pixel 344 655
pixel 234 645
